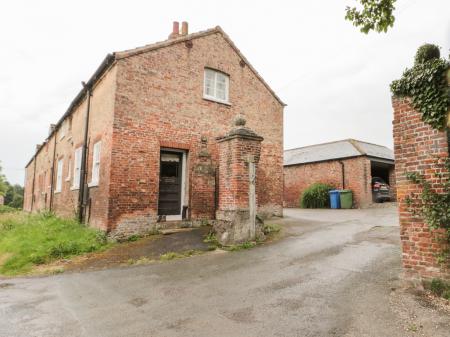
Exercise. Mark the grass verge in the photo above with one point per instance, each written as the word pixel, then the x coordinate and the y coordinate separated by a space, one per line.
pixel 29 240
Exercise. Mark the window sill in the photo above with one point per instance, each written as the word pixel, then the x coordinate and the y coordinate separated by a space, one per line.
pixel 57 192
pixel 212 99
pixel 74 188
pixel 93 184
pixel 67 179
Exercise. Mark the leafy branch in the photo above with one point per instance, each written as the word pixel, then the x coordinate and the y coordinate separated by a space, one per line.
pixel 374 15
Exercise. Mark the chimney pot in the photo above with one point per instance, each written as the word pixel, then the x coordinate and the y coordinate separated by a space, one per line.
pixel 175 30
pixel 184 28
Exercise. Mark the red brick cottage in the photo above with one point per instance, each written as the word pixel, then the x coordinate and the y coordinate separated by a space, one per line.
pixel 139 144
pixel 348 164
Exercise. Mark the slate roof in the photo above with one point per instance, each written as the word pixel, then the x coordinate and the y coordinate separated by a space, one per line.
pixel 346 148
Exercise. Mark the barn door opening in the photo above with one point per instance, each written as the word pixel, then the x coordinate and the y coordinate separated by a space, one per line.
pixel 171 184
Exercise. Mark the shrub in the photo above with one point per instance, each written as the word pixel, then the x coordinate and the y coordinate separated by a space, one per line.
pixel 446 295
pixel 427 52
pixel 316 196
pixel 7 209
pixel 440 288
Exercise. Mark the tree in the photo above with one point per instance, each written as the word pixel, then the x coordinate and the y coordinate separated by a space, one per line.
pixel 13 193
pixel 3 182
pixel 14 196
pixel 374 15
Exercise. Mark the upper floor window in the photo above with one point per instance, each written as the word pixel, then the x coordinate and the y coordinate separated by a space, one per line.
pixel 216 85
pixel 96 164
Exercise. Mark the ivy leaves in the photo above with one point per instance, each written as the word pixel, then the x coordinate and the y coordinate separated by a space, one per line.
pixel 426 85
pixel 434 207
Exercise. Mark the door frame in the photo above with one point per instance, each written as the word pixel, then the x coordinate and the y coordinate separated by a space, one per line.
pixel 183 180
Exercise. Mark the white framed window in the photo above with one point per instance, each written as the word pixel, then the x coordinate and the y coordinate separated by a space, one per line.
pixel 69 169
pixel 96 164
pixel 59 173
pixel 216 86
pixel 77 169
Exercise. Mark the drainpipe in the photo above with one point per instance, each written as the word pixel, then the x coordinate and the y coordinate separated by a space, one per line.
pixel 342 174
pixel 52 174
pixel 32 187
pixel 81 193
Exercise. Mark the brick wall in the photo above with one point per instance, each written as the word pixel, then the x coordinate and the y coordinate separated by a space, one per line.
pixel 357 178
pixel 160 103
pixel 68 138
pixel 416 147
pixel 233 172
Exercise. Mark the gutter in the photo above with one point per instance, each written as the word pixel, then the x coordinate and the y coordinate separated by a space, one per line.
pixel 52 182
pixel 83 172
pixel 388 161
pixel 342 173
pixel 32 188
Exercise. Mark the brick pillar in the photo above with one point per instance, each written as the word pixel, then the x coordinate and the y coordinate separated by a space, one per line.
pixel 203 185
pixel 417 147
pixel 239 153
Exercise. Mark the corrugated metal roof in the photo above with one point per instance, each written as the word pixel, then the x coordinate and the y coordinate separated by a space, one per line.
pixel 336 150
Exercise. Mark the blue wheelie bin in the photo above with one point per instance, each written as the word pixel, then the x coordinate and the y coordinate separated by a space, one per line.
pixel 335 199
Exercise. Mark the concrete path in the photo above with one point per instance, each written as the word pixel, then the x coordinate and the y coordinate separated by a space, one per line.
pixel 334 274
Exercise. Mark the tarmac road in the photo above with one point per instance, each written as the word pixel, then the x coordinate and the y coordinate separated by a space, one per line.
pixel 335 273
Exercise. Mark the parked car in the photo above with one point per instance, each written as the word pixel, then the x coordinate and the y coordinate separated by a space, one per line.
pixel 380 190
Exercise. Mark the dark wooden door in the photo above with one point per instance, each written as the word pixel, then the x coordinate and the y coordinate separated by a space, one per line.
pixel 170 184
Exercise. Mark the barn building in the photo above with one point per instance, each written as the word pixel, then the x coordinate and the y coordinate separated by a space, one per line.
pixel 346 164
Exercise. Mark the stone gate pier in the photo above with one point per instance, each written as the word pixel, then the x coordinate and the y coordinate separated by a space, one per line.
pixel 239 154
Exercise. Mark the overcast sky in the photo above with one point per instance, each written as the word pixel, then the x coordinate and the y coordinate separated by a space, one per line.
pixel 334 79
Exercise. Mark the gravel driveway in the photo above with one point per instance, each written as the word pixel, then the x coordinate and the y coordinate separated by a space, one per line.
pixel 334 273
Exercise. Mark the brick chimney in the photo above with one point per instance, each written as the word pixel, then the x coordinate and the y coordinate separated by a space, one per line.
pixel 184 28
pixel 51 129
pixel 175 30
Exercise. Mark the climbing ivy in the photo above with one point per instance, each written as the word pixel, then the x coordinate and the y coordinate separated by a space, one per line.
pixel 432 206
pixel 435 207
pixel 426 84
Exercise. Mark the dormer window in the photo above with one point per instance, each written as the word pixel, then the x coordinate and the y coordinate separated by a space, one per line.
pixel 216 86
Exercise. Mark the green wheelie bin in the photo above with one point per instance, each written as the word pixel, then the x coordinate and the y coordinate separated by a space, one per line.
pixel 346 197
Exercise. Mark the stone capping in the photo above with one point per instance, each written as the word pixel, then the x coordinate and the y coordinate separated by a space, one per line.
pixel 249 136
pixel 240 131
